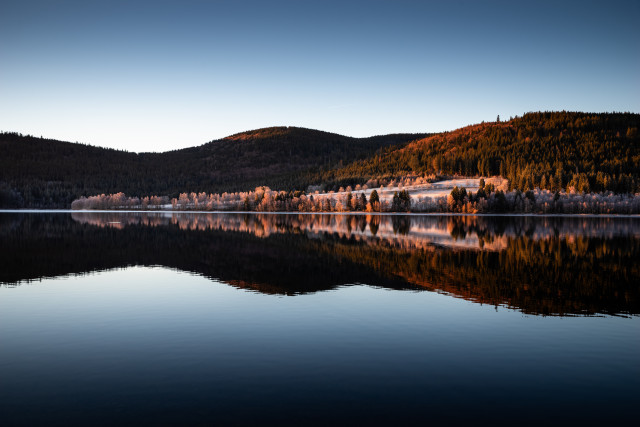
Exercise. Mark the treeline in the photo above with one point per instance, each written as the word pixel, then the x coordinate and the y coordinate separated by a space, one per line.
pixel 262 199
pixel 555 151
pixel 537 201
pixel 485 200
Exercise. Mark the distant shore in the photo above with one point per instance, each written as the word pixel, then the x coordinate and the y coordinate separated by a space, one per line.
pixel 201 212
pixel 489 195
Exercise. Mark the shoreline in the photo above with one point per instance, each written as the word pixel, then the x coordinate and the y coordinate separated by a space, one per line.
pixel 164 211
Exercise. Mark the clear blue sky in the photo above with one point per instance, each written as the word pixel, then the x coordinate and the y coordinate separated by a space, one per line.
pixel 154 75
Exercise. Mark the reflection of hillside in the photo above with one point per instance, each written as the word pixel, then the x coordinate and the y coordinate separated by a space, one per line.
pixel 52 245
pixel 537 265
pixel 549 276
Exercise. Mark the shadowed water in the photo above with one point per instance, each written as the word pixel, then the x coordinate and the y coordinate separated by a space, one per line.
pixel 154 318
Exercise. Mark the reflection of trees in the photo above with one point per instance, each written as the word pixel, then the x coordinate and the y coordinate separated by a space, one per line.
pixel 401 224
pixel 457 231
pixel 374 224
pixel 362 223
pixel 544 266
pixel 489 233
pixel 574 275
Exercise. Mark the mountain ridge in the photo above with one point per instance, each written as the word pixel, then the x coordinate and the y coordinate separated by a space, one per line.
pixel 575 151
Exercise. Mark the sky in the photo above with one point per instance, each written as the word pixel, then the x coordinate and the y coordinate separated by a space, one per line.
pixel 162 75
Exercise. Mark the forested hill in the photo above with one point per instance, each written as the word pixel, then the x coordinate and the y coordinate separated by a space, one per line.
pixel 559 150
pixel 37 173
pixel 554 150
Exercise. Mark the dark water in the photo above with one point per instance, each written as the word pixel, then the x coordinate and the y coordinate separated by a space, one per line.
pixel 187 319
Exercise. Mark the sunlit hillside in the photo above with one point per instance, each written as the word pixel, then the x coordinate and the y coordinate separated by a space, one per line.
pixel 553 150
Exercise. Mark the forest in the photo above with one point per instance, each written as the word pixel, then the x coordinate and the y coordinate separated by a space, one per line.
pixel 568 152
pixel 590 152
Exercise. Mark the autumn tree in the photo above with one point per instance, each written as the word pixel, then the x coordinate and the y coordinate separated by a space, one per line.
pixel 374 201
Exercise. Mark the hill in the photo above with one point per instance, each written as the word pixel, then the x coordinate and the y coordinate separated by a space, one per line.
pixel 551 150
pixel 45 173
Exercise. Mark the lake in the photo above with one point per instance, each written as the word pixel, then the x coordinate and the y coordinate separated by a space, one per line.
pixel 239 319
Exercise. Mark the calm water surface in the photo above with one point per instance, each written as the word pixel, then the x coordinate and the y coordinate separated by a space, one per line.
pixel 155 319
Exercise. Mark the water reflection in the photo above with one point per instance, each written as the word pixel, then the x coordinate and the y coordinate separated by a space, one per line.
pixel 539 265
pixel 483 232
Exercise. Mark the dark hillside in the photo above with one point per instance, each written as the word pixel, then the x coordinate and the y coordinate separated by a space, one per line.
pixel 281 157
pixel 36 172
pixel 39 173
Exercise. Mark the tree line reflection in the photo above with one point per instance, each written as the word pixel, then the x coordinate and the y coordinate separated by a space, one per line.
pixel 539 265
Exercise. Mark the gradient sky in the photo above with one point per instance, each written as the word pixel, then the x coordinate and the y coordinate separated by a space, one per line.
pixel 156 75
